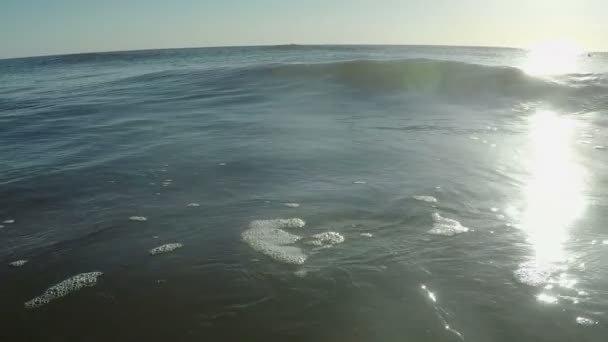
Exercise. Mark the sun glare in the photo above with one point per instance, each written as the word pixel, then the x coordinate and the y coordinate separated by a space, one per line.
pixel 554 192
pixel 552 58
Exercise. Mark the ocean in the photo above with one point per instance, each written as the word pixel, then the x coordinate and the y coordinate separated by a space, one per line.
pixel 304 193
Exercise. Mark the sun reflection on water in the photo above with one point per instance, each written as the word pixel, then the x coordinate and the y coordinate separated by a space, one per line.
pixel 554 193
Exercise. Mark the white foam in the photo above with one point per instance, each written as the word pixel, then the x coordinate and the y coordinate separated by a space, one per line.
pixel 138 218
pixel 301 273
pixel 193 205
pixel 18 263
pixel 269 238
pixel 64 288
pixel 446 226
pixel 11 221
pixel 425 198
pixel 359 182
pixel 599 147
pixel 369 235
pixel 222 164
pixel 170 247
pixel 535 273
pixel 326 240
pixel 585 321
pixel 547 298
pixel 291 205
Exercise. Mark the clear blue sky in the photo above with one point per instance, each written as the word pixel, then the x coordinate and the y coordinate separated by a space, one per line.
pixel 40 27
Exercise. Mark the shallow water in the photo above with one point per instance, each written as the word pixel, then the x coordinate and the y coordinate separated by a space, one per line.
pixel 382 151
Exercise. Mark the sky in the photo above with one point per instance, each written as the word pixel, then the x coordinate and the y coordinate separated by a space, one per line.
pixel 43 27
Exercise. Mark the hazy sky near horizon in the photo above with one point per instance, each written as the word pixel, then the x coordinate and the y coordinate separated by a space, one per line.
pixel 41 27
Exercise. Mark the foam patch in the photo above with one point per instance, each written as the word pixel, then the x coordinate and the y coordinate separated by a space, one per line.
pixel 291 205
pixel 269 238
pixel 446 226
pixel 585 321
pixel 138 218
pixel 193 205
pixel 428 199
pixel 170 247
pixel 64 288
pixel 368 235
pixel 326 240
pixel 18 263
pixel 11 221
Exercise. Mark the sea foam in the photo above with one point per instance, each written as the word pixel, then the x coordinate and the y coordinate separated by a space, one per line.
pixel 446 226
pixel 326 240
pixel 424 198
pixel 64 288
pixel 269 238
pixel 170 247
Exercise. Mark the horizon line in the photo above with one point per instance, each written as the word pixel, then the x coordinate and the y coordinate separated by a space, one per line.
pixel 270 45
pixel 254 45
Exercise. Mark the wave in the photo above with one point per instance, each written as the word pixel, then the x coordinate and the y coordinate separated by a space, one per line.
pixel 440 77
pixel 411 76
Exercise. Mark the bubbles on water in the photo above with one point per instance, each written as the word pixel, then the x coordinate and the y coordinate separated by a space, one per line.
pixel 494 209
pixel 138 218
pixel 425 198
pixel 368 235
pixel 535 273
pixel 269 238
pixel 547 298
pixel 167 182
pixel 221 164
pixel 301 273
pixel 291 205
pixel 605 242
pixel 326 240
pixel 192 205
pixel 472 137
pixel 446 226
pixel 9 221
pixel 18 263
pixel 64 288
pixel 359 182
pixel 585 321
pixel 170 247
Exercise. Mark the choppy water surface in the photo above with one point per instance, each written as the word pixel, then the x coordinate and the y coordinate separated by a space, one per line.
pixel 311 193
